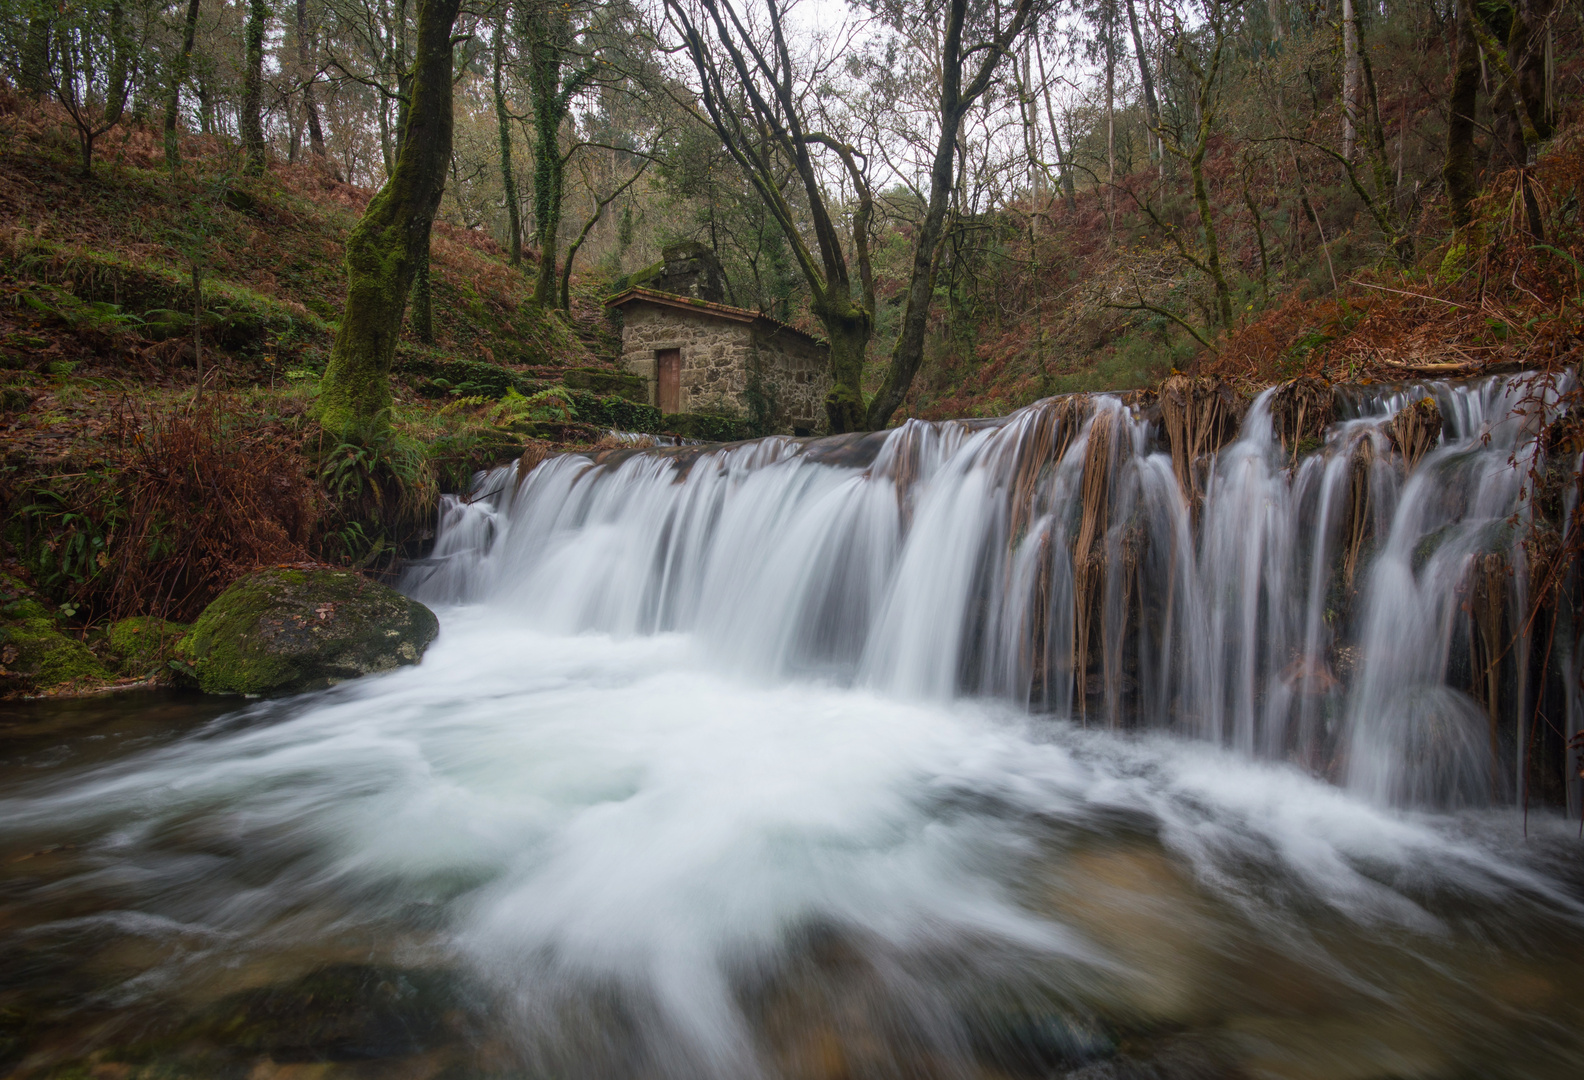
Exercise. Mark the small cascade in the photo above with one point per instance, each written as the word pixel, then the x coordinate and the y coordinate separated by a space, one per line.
pixel 1340 578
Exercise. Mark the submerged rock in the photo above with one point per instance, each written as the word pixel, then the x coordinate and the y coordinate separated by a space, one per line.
pixel 284 631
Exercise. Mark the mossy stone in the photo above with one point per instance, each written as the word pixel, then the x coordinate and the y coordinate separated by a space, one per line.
pixel 143 644
pixel 283 631
pixel 35 655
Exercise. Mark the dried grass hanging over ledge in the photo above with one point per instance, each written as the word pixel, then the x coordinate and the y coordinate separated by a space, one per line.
pixel 205 501
pixel 1200 415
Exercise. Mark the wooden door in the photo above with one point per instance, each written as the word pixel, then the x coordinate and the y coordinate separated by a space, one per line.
pixel 668 363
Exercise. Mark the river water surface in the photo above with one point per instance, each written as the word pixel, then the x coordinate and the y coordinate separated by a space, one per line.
pixel 963 751
pixel 580 856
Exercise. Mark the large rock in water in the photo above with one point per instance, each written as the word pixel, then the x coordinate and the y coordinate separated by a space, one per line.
pixel 285 631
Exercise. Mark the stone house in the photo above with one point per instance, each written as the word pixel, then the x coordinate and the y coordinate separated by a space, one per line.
pixel 700 356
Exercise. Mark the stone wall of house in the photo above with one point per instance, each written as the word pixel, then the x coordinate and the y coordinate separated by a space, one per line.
pixel 715 355
pixel 726 363
pixel 793 375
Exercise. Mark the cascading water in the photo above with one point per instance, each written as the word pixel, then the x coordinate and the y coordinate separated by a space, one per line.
pixel 798 759
pixel 1053 558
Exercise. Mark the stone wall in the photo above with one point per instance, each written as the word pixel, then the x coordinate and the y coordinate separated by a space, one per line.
pixel 793 375
pixel 727 363
pixel 715 355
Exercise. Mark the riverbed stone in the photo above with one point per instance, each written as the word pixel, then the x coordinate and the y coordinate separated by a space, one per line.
pixel 287 630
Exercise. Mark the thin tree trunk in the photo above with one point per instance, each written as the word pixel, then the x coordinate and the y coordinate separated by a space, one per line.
pixel 1055 133
pixel 1110 54
pixel 251 120
pixel 1065 174
pixel 908 352
pixel 588 227
pixel 179 76
pixel 1350 78
pixel 385 248
pixel 1526 50
pixel 1028 113
pixel 197 283
pixel 306 47
pixel 387 152
pixel 1152 111
pixel 120 47
pixel 503 119
pixel 1212 247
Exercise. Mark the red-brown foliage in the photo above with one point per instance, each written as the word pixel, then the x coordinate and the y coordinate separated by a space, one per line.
pixel 206 500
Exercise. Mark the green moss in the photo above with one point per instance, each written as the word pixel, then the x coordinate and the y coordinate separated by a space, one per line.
pixel 709 427
pixel 612 383
pixel 144 644
pixel 287 631
pixel 35 655
pixel 1453 263
pixel 619 413
pixel 27 609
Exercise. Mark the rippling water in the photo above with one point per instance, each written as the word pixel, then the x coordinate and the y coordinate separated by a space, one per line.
pixel 964 750
pixel 562 855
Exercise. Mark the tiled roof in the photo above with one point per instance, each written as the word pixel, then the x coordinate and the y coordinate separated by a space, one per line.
pixel 708 307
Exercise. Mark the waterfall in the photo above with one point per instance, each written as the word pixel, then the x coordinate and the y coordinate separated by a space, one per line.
pixel 1355 606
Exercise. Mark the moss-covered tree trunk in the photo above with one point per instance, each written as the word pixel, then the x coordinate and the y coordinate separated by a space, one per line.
pixel 1212 245
pixel 178 76
pixel 1460 170
pixel 848 326
pixel 422 302
pixel 385 248
pixel 1526 51
pixel 251 118
pixel 546 29
pixel 508 176
pixel 36 50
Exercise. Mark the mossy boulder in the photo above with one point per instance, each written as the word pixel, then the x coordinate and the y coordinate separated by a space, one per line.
pixel 286 631
pixel 144 645
pixel 34 654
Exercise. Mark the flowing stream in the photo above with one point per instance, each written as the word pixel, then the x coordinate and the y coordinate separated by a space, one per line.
pixel 981 750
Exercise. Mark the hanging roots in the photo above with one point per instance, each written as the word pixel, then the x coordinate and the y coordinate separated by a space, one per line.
pixel 1415 430
pixel 1361 515
pixel 1046 442
pixel 533 453
pixel 1487 603
pixel 1200 416
pixel 1089 555
pixel 1301 411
